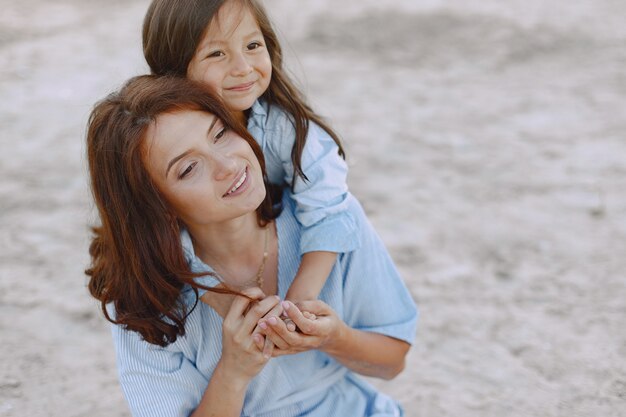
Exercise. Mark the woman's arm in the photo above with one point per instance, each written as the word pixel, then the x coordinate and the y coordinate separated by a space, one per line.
pixel 366 353
pixel 241 359
pixel 161 381
pixel 223 396
pixel 370 354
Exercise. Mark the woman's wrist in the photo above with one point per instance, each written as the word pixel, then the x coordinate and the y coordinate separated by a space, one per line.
pixel 224 395
pixel 237 383
pixel 337 340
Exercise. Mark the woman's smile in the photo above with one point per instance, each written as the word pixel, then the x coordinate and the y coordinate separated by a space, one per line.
pixel 240 185
pixel 222 177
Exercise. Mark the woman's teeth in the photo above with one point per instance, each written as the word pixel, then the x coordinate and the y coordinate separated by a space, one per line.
pixel 241 180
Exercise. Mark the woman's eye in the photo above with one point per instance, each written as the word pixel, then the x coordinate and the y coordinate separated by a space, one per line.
pixel 254 45
pixel 187 171
pixel 220 134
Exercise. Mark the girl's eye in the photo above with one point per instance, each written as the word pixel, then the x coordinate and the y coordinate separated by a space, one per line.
pixel 187 171
pixel 215 54
pixel 254 45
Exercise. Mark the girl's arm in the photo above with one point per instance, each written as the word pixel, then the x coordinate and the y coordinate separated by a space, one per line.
pixel 321 200
pixel 329 228
pixel 321 207
pixel 378 315
pixel 311 277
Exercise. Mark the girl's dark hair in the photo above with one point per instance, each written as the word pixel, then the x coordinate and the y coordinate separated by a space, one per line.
pixel 137 260
pixel 172 30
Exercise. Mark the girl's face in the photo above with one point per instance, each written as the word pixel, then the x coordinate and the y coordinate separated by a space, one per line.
pixel 207 173
pixel 232 57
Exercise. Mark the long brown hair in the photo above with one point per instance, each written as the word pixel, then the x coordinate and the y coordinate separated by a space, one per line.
pixel 172 31
pixel 137 260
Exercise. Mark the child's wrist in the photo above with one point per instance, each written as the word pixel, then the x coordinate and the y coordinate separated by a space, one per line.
pixel 296 298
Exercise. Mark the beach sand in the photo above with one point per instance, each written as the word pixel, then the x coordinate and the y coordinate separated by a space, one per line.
pixel 485 141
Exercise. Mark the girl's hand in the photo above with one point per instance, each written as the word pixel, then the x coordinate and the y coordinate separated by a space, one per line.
pixel 241 359
pixel 320 328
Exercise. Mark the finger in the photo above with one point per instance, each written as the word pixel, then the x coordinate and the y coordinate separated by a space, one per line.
pixel 240 304
pixel 304 343
pixel 305 325
pixel 277 311
pixel 281 330
pixel 291 326
pixel 259 341
pixel 259 310
pixel 270 331
pixel 317 307
pixel 283 352
pixel 309 315
pixel 268 348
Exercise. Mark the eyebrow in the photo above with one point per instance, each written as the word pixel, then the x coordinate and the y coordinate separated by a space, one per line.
pixel 176 159
pixel 187 152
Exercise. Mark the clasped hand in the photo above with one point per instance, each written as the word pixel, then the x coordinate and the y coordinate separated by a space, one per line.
pixel 317 324
pixel 253 331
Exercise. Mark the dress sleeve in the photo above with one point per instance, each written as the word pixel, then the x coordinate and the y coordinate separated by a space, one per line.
pixel 156 381
pixel 375 297
pixel 321 206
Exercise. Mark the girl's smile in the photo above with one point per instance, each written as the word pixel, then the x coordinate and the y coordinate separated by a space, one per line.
pixel 242 87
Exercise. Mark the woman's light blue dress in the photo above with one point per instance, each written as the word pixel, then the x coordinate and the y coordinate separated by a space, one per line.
pixel 365 290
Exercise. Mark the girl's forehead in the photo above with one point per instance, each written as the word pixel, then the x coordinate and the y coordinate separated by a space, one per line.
pixel 229 17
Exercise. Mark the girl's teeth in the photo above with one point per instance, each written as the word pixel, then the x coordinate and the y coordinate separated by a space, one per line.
pixel 241 180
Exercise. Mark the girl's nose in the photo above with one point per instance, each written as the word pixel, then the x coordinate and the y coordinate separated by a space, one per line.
pixel 224 166
pixel 240 65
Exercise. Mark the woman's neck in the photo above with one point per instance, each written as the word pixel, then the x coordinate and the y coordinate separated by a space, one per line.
pixel 234 249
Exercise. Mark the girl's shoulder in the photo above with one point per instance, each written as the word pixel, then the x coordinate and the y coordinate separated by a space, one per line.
pixel 271 116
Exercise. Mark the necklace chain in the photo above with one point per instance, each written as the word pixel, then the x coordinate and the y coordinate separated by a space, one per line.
pixel 259 275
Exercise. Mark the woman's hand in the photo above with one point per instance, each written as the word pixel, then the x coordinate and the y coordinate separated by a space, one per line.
pixel 318 324
pixel 241 358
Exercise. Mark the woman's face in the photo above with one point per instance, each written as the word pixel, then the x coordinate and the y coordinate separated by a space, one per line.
pixel 232 57
pixel 208 174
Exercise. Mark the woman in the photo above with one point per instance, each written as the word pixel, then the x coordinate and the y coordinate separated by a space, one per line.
pixel 179 186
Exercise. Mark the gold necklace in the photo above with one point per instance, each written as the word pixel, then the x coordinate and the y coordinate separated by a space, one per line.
pixel 259 275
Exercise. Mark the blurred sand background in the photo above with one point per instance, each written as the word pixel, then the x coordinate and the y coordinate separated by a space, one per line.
pixel 486 141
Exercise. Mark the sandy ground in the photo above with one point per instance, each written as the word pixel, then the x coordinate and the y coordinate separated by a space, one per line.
pixel 486 142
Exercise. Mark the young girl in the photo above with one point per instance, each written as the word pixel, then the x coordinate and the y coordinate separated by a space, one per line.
pixel 230 46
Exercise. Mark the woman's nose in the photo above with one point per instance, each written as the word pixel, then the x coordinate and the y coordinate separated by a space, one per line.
pixel 224 166
pixel 240 65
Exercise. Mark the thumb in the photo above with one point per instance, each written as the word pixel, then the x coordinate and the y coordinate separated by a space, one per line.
pixel 317 307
